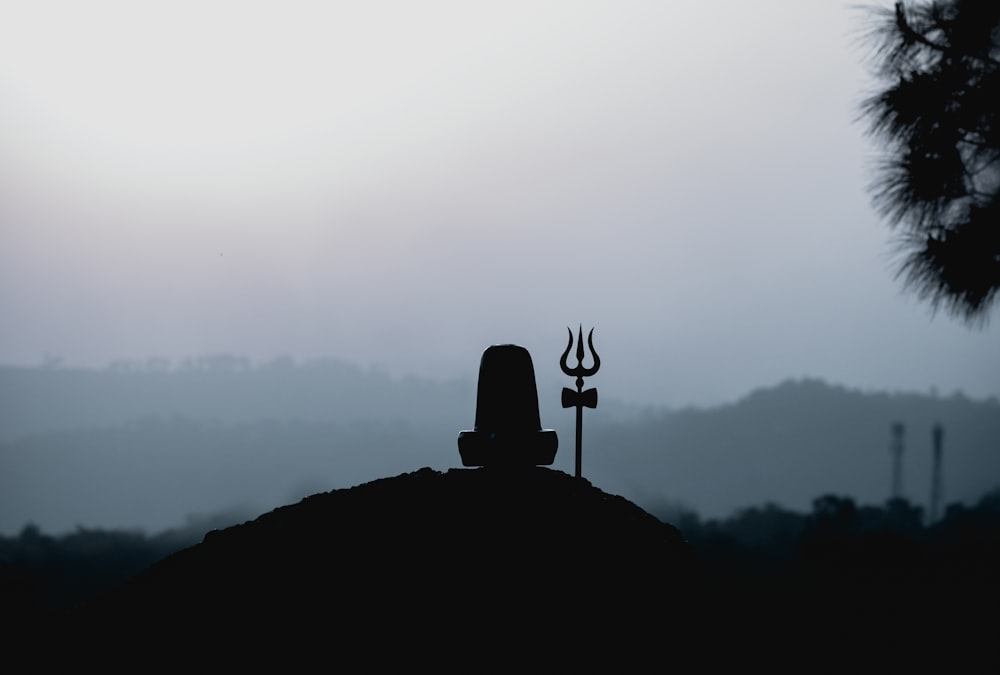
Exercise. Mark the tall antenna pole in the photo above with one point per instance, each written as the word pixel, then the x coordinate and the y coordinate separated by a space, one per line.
pixel 936 481
pixel 896 448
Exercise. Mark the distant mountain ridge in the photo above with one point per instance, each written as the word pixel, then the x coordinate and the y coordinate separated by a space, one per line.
pixel 43 399
pixel 150 447
pixel 802 438
pixel 227 390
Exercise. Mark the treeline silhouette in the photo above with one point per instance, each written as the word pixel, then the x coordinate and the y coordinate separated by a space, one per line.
pixel 838 542
pixel 40 572
pixel 843 539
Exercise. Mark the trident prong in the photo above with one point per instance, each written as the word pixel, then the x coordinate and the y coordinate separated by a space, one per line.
pixel 579 398
pixel 580 372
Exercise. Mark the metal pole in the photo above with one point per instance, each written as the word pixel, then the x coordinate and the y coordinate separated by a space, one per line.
pixel 579 440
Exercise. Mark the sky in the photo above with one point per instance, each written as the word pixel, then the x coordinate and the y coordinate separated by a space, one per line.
pixel 402 184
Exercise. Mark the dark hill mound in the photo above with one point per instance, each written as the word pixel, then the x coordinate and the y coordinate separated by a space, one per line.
pixel 505 570
pixel 493 561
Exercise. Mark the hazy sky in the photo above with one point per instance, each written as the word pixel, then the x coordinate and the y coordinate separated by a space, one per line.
pixel 405 183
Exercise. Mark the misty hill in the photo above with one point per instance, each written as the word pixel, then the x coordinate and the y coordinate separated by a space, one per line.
pixel 223 389
pixel 148 447
pixel 797 440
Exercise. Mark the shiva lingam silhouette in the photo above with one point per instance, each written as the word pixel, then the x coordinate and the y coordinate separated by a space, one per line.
pixel 508 430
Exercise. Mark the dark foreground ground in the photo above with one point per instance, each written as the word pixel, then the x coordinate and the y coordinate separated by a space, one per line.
pixel 495 570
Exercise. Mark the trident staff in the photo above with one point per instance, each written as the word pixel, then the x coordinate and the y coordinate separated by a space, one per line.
pixel 579 398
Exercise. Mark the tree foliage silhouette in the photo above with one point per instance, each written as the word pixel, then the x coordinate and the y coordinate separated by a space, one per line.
pixel 938 116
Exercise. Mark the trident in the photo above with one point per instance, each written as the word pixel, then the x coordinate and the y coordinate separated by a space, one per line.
pixel 579 398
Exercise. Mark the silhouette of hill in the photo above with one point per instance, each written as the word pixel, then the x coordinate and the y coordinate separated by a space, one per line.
pixel 493 563
pixel 486 569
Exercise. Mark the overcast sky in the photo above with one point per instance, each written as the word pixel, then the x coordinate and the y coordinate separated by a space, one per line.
pixel 404 183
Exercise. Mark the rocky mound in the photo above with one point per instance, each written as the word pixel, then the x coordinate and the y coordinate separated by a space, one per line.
pixel 506 561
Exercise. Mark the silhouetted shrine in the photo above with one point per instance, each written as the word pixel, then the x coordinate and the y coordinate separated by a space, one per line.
pixel 508 429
